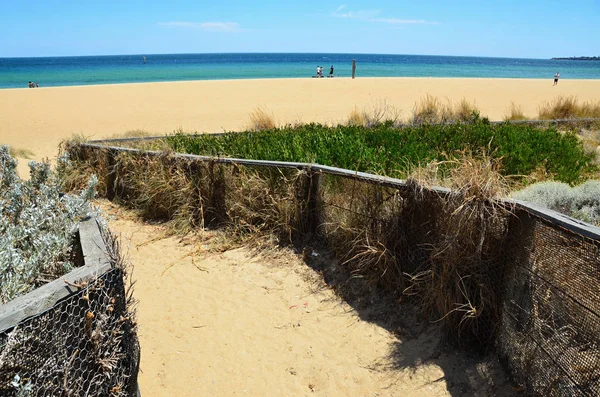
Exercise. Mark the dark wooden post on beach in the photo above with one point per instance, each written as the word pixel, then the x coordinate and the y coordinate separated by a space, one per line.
pixel 353 68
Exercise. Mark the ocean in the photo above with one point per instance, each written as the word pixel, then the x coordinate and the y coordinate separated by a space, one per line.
pixel 115 69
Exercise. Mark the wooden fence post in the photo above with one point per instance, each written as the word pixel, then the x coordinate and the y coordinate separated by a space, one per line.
pixel 110 174
pixel 313 206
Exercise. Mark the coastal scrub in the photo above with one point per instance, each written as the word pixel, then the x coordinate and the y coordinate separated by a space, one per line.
pixel 37 222
pixel 388 150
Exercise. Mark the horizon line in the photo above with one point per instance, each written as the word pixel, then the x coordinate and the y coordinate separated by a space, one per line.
pixel 261 52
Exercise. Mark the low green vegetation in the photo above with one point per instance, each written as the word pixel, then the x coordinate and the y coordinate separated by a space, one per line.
pixel 521 150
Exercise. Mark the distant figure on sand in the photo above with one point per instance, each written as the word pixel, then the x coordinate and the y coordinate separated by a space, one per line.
pixel 318 68
pixel 556 77
pixel 30 84
pixel 331 71
pixel 36 84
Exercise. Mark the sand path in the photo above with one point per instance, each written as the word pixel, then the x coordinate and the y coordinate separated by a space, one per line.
pixel 233 323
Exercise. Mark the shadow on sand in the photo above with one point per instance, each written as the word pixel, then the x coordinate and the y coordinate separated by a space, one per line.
pixel 419 342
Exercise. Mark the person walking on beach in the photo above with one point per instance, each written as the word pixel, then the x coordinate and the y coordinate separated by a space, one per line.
pixel 556 76
pixel 331 71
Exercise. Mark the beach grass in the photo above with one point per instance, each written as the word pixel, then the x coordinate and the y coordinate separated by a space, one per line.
pixel 136 133
pixel 432 110
pixel 515 112
pixel 566 107
pixel 261 120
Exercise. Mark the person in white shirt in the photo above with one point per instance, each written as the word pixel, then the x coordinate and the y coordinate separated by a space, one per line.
pixel 556 76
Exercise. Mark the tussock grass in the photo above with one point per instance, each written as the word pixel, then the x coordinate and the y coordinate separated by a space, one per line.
pixel 261 120
pixel 432 110
pixel 442 252
pixel 568 107
pixel 515 112
pixel 191 195
pixel 460 286
pixel 75 173
pixel 137 133
pixel 356 118
pixel 465 111
pixel 22 153
pixel 377 113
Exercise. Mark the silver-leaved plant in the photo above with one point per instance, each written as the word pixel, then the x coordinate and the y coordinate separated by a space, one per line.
pixel 37 224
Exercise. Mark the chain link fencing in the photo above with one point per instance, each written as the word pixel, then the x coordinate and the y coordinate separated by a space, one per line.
pixel 85 344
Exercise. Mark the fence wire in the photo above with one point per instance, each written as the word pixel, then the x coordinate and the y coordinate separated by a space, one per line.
pixel 84 346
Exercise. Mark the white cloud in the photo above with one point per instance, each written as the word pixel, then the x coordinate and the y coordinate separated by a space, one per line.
pixel 396 21
pixel 372 16
pixel 360 14
pixel 208 26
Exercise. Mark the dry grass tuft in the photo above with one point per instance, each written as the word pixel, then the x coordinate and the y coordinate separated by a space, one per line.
pixel 465 111
pixel 459 286
pixel 261 120
pixel 266 202
pixel 76 173
pixel 356 118
pixel 137 133
pixel 515 112
pixel 161 188
pixel 431 110
pixel 190 194
pixel 22 153
pixel 568 107
pixel 376 113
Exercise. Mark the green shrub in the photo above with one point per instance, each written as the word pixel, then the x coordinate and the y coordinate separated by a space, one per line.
pixel 391 151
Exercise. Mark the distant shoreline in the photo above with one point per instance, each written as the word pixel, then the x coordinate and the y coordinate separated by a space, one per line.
pixel 281 79
pixel 67 71
pixel 577 59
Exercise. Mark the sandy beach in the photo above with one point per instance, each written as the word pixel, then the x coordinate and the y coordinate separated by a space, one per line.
pixel 39 119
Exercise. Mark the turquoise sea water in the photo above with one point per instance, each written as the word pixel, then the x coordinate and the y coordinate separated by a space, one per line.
pixel 63 71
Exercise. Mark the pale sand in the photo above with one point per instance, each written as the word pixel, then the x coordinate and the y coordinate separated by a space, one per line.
pixel 38 119
pixel 233 323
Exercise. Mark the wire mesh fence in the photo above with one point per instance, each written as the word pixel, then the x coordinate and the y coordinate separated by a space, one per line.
pixel 498 275
pixel 83 346
pixel 550 332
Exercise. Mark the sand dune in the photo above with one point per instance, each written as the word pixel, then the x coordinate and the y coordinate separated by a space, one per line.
pixel 38 119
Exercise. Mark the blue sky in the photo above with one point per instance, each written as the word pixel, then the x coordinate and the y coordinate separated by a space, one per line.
pixel 509 28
